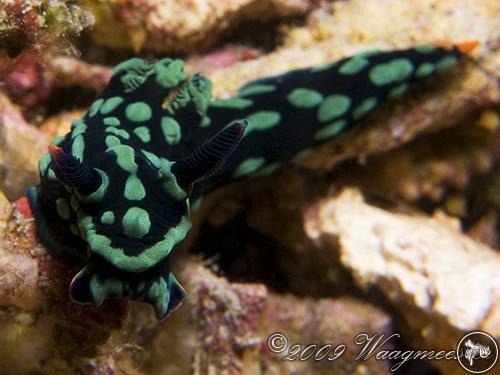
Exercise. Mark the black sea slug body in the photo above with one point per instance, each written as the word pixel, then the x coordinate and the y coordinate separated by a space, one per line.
pixel 115 192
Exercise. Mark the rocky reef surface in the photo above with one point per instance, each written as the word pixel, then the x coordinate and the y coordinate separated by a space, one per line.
pixel 391 228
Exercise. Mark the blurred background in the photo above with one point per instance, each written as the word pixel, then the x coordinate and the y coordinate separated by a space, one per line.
pixel 391 228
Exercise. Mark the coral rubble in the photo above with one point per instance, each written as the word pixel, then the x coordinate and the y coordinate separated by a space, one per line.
pixel 22 146
pixel 173 25
pixel 440 281
pixel 38 24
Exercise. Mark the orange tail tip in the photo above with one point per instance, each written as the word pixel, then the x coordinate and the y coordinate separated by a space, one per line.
pixel 464 47
pixel 467 46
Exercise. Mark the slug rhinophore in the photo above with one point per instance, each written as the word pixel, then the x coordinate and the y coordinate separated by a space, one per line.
pixel 115 191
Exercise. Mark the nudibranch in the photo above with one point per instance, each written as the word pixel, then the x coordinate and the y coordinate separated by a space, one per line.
pixel 115 191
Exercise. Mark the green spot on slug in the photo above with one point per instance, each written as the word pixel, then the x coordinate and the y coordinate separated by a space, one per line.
pixel 74 203
pixel 333 106
pixel 169 182
pixel 74 229
pixel 119 132
pixel 78 147
pixel 446 63
pixel 57 140
pixel 305 98
pixel 95 107
pixel 140 287
pixel 111 121
pixel 79 128
pixel 262 120
pixel 370 52
pixel 112 141
pixel 423 48
pixel 62 208
pixel 159 293
pixel 138 112
pixel 425 69
pixel 235 103
pixel 171 130
pixel 255 89
pixel 43 164
pixel 268 169
pixel 195 206
pixel 116 256
pixel 125 158
pixel 136 222
pixel 249 166
pixel 394 71
pixel 152 158
pixel 108 218
pixel 205 122
pixel 51 174
pixel 134 189
pixel 323 67
pixel 302 154
pixel 354 65
pixel 110 104
pixel 76 123
pixel 143 133
pixel 103 289
pixel 398 90
pixel 366 106
pixel 98 195
pixel 330 131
